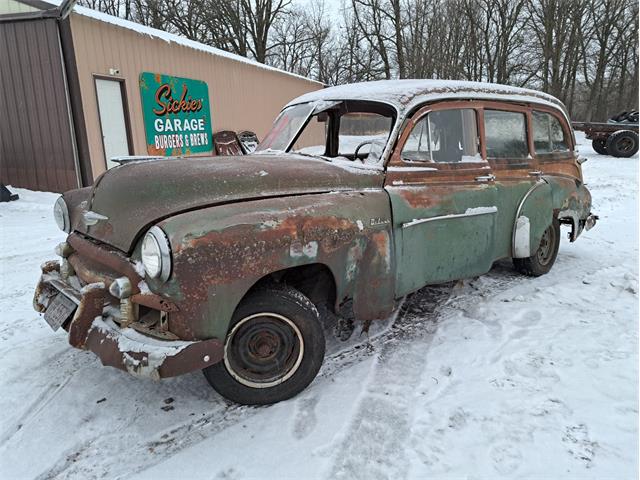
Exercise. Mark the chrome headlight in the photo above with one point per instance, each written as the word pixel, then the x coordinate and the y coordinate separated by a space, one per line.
pixel 61 215
pixel 156 254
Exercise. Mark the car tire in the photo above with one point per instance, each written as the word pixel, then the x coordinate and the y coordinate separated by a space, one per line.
pixel 623 143
pixel 600 146
pixel 273 350
pixel 545 256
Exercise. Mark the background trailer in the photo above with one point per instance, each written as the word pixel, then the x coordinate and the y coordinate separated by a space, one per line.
pixel 81 87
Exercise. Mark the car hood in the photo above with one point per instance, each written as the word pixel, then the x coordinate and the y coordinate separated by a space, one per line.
pixel 136 195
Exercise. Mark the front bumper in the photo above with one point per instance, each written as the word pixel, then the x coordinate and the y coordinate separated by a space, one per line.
pixel 91 328
pixel 590 222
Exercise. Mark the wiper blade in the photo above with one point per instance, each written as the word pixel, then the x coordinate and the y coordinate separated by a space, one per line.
pixel 268 150
pixel 322 157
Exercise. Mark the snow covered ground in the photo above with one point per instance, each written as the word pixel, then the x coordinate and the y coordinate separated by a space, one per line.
pixel 502 376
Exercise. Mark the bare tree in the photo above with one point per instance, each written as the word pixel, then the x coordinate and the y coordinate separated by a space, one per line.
pixel 585 52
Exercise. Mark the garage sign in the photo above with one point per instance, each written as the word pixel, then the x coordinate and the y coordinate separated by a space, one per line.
pixel 177 120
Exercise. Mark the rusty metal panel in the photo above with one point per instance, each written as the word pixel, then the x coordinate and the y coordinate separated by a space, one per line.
pixel 177 185
pixel 220 253
pixel 36 144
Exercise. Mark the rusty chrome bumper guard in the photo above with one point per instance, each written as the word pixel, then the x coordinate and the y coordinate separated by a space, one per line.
pixel 122 348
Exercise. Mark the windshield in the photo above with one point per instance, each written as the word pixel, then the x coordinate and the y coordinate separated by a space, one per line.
pixel 286 127
pixel 351 130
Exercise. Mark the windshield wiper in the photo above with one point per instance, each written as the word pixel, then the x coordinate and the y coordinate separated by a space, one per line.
pixel 268 150
pixel 304 154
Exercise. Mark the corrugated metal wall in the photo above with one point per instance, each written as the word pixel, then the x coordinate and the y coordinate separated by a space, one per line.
pixel 242 96
pixel 36 149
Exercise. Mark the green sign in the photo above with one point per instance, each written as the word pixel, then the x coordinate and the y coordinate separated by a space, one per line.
pixel 176 114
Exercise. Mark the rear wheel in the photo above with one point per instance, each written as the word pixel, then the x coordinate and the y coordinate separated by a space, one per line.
pixel 600 146
pixel 622 143
pixel 274 348
pixel 545 256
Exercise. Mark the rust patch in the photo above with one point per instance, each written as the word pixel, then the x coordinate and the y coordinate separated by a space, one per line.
pixel 101 262
pixel 156 302
pixel 90 307
pixel 196 356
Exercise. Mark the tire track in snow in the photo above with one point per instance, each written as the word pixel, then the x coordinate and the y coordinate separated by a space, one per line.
pixel 374 443
pixel 33 409
pixel 96 457
pixel 72 363
pixel 81 458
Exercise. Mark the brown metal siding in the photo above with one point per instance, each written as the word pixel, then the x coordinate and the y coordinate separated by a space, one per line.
pixel 242 96
pixel 36 149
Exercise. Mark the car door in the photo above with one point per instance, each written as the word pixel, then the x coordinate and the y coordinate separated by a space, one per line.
pixel 443 198
pixel 505 135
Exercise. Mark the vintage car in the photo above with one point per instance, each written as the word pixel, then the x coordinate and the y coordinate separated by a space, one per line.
pixel 358 196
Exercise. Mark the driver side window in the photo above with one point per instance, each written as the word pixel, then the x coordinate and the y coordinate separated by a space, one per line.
pixel 444 136
pixel 362 128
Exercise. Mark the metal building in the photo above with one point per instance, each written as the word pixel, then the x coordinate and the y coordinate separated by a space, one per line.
pixel 81 87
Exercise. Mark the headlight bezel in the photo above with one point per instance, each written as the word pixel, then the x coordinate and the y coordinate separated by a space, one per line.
pixel 60 207
pixel 157 235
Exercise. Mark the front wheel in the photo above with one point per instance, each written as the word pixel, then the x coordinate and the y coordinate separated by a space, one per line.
pixel 274 348
pixel 600 146
pixel 545 256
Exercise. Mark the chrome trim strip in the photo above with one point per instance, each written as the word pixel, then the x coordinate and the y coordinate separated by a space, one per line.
pixel 394 168
pixel 533 188
pixel 485 211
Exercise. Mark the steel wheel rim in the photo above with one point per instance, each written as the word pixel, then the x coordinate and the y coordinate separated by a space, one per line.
pixel 547 242
pixel 263 350
pixel 625 144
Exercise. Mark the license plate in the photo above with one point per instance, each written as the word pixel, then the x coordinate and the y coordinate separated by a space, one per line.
pixel 59 310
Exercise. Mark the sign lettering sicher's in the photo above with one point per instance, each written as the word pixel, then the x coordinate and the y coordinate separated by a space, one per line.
pixel 177 120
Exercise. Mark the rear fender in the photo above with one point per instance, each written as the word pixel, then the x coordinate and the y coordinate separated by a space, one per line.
pixel 533 217
pixel 571 203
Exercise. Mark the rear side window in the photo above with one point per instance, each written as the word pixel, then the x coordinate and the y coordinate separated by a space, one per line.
pixel 444 136
pixel 548 136
pixel 505 134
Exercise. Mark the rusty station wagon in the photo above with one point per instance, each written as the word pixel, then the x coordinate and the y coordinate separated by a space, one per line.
pixel 359 195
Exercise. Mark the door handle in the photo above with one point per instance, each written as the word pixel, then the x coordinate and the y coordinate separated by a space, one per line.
pixel 486 178
pixel 536 173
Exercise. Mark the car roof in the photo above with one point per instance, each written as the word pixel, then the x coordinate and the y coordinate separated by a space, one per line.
pixel 405 95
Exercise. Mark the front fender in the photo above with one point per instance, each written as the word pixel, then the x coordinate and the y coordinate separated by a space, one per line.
pixel 220 252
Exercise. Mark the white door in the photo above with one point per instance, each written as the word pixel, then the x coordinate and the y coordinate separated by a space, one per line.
pixel 112 121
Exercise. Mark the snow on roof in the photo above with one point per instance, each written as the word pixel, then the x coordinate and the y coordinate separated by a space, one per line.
pixel 406 94
pixel 173 38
